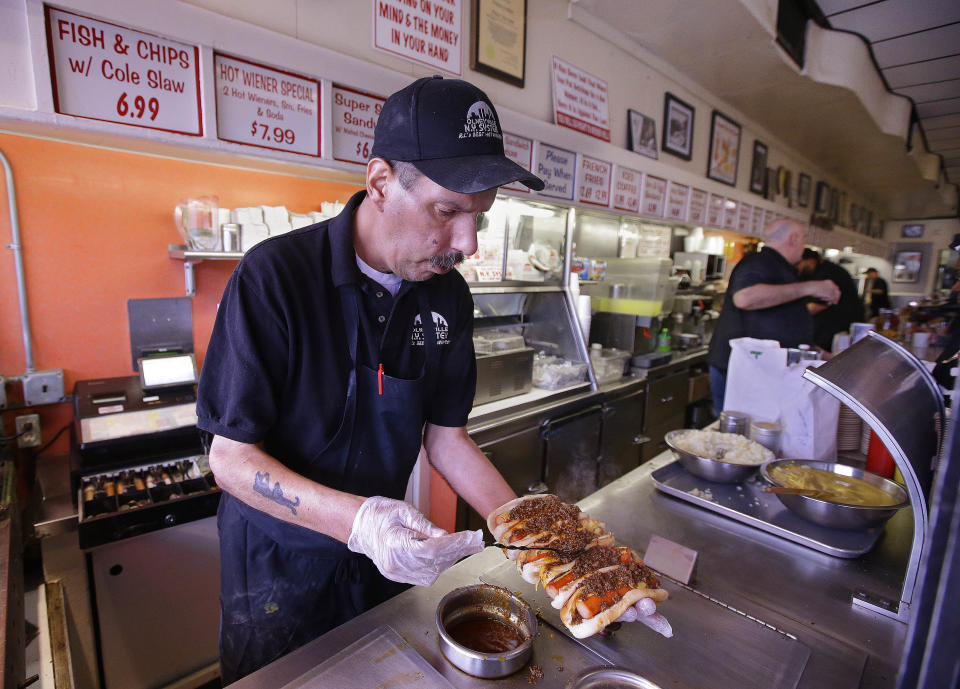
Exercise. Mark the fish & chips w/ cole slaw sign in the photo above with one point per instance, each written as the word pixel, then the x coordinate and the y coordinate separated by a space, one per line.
pixel 104 71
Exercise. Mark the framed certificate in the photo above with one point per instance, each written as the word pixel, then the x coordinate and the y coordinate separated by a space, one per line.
pixel 498 39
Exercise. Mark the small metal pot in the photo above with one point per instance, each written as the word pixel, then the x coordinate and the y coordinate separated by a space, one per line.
pixel 610 678
pixel 711 469
pixel 484 600
pixel 833 514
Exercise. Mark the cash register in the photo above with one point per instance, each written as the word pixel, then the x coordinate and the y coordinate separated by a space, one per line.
pixel 139 464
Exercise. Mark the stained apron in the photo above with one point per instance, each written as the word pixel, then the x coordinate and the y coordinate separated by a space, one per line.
pixel 283 585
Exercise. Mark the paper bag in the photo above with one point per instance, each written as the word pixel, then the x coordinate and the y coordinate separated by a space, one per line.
pixel 808 417
pixel 753 378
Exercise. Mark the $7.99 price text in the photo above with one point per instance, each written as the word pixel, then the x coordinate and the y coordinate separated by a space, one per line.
pixel 276 134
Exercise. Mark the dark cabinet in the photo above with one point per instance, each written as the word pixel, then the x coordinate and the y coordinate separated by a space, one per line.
pixel 621 436
pixel 571 446
pixel 665 410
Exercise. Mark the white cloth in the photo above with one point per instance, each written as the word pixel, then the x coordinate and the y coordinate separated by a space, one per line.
pixel 390 281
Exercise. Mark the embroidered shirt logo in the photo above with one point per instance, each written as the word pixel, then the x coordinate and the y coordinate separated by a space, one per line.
pixel 440 326
pixel 480 122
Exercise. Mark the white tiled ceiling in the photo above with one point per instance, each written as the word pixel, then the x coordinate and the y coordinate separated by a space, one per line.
pixel 916 44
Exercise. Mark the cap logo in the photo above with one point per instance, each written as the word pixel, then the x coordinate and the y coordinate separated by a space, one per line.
pixel 480 122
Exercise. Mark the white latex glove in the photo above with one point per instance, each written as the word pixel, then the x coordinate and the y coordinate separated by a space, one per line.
pixel 404 545
pixel 645 611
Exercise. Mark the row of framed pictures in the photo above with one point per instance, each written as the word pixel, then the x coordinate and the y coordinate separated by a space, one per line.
pixel 772 183
pixel 678 118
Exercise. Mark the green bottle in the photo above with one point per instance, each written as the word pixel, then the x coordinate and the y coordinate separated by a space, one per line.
pixel 663 341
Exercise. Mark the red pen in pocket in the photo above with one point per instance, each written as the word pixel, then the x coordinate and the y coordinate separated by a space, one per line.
pixel 380 379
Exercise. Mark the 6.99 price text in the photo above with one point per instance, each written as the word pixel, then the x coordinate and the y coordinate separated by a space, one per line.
pixel 139 108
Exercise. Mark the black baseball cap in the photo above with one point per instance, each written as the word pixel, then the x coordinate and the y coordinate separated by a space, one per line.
pixel 449 130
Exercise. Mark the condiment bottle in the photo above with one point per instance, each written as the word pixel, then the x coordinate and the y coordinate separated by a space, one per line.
pixel 89 490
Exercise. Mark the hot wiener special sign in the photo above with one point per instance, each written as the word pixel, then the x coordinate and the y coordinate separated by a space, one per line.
pixel 108 72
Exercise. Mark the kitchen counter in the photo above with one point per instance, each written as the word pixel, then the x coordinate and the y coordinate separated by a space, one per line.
pixel 793 600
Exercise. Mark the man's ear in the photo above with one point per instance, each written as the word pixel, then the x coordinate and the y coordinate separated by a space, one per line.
pixel 379 177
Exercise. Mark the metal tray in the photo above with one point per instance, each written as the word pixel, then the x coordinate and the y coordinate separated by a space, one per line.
pixel 712 646
pixel 747 502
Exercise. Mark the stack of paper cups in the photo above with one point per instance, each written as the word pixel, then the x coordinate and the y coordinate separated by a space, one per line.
pixel 583 315
pixel 575 286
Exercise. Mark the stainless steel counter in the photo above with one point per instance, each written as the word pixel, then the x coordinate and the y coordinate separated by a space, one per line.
pixel 801 595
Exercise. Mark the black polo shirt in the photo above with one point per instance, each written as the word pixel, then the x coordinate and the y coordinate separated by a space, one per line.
pixel 790 323
pixel 277 365
pixel 838 317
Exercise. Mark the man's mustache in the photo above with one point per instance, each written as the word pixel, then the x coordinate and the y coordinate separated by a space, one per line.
pixel 448 260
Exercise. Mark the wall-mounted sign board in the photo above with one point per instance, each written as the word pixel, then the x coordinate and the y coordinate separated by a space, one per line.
pixel 580 100
pixel 425 31
pixel 266 107
pixel 654 196
pixel 557 167
pixel 697 214
pixel 104 71
pixel 593 181
pixel 677 198
pixel 626 189
pixel 519 149
pixel 354 116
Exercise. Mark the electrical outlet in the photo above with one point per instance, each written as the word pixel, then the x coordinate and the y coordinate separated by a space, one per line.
pixel 28 430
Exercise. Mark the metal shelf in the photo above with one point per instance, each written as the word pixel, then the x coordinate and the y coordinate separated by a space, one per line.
pixel 190 257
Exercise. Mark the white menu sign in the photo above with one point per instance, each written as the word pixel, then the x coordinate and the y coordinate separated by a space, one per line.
pixel 557 168
pixel 580 100
pixel 730 208
pixel 593 186
pixel 519 149
pixel 743 222
pixel 108 72
pixel 354 114
pixel 715 211
pixel 265 107
pixel 425 31
pixel 654 196
pixel 677 202
pixel 698 206
pixel 756 226
pixel 768 217
pixel 626 189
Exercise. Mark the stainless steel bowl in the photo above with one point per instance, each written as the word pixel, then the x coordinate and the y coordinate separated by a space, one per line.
pixel 833 514
pixel 484 600
pixel 705 467
pixel 610 678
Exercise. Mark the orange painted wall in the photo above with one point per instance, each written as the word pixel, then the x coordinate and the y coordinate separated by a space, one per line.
pixel 95 224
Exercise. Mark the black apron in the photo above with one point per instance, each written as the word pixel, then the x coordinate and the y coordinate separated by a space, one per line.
pixel 283 585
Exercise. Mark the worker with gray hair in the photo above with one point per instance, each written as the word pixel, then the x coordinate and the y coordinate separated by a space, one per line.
pixel 766 300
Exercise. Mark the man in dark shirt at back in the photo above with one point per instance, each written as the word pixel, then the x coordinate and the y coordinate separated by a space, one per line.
pixel 765 300
pixel 829 320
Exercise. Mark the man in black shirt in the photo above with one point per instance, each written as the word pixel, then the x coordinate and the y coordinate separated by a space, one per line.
pixel 765 300
pixel 829 320
pixel 875 293
pixel 337 349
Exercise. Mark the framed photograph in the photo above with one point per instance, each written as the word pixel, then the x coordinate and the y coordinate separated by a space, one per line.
pixel 724 149
pixel 822 202
pixel 772 181
pixel 498 39
pixel 906 266
pixel 677 127
pixel 803 190
pixel 642 134
pixel 911 231
pixel 758 168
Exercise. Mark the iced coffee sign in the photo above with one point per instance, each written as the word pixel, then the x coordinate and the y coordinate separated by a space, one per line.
pixel 425 31
pixel 265 107
pixel 108 72
pixel 626 189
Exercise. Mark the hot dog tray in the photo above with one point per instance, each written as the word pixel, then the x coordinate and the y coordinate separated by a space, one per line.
pixel 747 502
pixel 382 658
pixel 732 650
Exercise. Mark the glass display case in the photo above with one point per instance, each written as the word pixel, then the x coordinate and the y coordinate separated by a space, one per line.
pixel 519 242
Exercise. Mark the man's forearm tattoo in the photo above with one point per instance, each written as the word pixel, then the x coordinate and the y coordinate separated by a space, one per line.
pixel 261 484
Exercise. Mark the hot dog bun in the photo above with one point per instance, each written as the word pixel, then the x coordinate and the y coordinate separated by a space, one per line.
pixel 598 622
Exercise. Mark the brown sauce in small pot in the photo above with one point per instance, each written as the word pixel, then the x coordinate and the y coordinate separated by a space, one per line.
pixel 485 635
